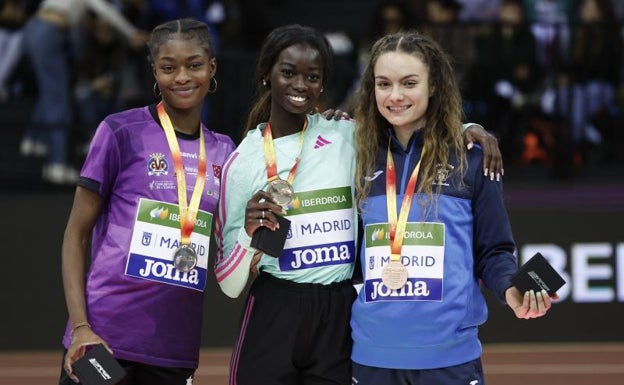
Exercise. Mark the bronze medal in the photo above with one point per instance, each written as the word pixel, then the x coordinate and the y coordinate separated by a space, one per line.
pixel 185 258
pixel 394 275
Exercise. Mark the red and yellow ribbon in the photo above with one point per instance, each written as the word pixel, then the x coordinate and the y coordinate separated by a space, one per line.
pixel 269 154
pixel 396 228
pixel 188 211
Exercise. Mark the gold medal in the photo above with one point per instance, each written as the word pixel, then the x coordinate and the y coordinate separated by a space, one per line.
pixel 281 191
pixel 394 275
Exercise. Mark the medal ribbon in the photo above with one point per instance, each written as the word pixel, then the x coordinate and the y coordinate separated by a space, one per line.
pixel 269 154
pixel 188 211
pixel 397 228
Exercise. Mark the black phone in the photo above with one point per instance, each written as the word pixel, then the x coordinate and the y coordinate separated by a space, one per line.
pixel 271 242
pixel 98 367
pixel 537 274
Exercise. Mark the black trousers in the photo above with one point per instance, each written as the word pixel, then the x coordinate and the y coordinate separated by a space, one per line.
pixel 294 334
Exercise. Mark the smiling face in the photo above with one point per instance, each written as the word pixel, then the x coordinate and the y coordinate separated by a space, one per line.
pixel 183 70
pixel 402 90
pixel 296 80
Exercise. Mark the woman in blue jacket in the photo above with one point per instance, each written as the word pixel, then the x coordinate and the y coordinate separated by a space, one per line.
pixel 435 227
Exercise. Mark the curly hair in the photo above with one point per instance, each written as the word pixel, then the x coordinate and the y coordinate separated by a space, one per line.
pixel 442 132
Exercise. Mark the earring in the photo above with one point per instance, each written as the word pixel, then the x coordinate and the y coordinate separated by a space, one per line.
pixel 322 89
pixel 213 90
pixel 264 82
pixel 157 92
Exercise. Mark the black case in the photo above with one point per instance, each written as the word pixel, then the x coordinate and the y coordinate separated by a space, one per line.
pixel 537 274
pixel 98 367
pixel 271 242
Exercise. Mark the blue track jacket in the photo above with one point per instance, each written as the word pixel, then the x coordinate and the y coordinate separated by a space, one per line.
pixel 449 249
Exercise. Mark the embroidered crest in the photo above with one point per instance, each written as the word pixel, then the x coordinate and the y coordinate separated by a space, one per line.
pixel 157 165
pixel 442 174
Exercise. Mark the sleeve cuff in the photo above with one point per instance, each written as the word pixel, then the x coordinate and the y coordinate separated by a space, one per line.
pixel 244 240
pixel 504 285
pixel 465 126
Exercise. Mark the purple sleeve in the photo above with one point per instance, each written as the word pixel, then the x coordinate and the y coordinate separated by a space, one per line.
pixel 102 162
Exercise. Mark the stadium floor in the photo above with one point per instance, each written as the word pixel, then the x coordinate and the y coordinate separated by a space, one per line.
pixel 504 364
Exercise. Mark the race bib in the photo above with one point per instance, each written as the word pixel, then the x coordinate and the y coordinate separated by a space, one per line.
pixel 156 237
pixel 422 255
pixel 321 231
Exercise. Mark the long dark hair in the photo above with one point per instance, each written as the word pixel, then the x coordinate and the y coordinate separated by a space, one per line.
pixel 278 40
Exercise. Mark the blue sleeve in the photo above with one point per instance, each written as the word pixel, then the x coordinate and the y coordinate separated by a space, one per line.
pixel 494 246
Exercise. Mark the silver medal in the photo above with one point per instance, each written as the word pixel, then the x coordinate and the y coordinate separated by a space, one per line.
pixel 185 258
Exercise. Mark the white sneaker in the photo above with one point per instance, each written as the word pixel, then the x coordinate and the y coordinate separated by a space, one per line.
pixel 29 147
pixel 26 147
pixel 58 173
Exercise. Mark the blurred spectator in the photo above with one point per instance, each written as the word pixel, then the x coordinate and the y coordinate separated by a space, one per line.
pixel 230 27
pixel 443 24
pixel 580 98
pixel 137 79
pixel 344 73
pixel 98 77
pixel 507 56
pixel 550 21
pixel 586 89
pixel 551 11
pixel 209 11
pixel 480 10
pixel 457 38
pixel 13 16
pixel 390 16
pixel 47 45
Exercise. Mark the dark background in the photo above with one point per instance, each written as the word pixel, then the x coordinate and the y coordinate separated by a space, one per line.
pixel 542 212
pixel 585 205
